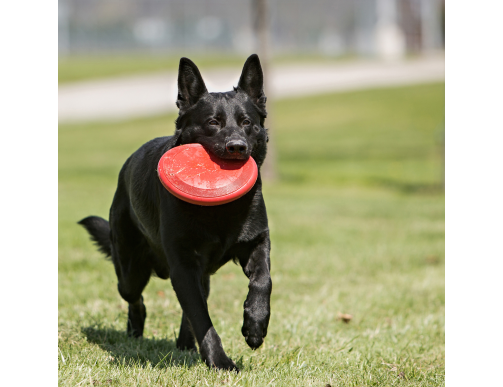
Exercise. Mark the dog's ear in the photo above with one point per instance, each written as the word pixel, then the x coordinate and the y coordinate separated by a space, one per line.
pixel 191 86
pixel 252 81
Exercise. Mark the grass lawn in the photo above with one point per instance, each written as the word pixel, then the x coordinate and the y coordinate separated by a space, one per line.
pixel 84 67
pixel 357 227
pixel 80 67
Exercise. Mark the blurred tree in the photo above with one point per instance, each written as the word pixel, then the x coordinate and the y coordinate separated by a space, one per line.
pixel 261 23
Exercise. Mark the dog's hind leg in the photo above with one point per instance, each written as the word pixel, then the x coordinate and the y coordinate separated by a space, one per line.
pixel 133 276
pixel 186 338
pixel 131 256
pixel 130 288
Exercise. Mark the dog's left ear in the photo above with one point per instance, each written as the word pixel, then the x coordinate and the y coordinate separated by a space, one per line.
pixel 191 86
pixel 252 81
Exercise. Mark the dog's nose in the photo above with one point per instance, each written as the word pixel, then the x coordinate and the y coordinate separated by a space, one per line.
pixel 236 147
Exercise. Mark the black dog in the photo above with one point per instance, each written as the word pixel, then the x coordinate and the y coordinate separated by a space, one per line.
pixel 152 231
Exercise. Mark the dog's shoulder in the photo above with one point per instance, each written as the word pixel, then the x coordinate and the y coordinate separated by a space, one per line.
pixel 140 169
pixel 155 147
pixel 148 155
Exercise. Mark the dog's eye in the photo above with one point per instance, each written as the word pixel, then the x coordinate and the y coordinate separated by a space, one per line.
pixel 246 122
pixel 213 122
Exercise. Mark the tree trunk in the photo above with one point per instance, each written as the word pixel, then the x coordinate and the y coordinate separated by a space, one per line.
pixel 261 20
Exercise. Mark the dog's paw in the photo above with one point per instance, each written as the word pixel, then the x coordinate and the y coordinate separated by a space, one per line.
pixel 186 344
pixel 136 320
pixel 254 341
pixel 213 354
pixel 254 330
pixel 222 363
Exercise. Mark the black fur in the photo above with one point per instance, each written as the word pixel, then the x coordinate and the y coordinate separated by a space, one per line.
pixel 151 231
pixel 99 230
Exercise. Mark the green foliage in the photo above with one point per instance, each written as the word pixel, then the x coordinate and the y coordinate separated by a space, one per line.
pixel 357 227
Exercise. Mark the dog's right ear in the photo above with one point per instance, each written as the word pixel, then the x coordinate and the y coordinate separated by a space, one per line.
pixel 191 86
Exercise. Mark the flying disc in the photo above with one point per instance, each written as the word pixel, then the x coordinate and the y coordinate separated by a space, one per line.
pixel 192 174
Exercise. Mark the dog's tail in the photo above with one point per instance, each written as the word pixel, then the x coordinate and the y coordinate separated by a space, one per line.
pixel 99 229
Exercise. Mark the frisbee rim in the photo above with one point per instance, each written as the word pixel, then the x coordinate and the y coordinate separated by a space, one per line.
pixel 201 200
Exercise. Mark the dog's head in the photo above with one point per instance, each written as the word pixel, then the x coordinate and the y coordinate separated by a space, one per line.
pixel 229 125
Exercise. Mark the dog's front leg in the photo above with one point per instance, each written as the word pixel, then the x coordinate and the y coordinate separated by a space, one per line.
pixel 186 338
pixel 187 284
pixel 257 308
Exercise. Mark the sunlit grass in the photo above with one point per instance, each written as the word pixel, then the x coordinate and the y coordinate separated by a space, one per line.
pixel 357 227
pixel 85 67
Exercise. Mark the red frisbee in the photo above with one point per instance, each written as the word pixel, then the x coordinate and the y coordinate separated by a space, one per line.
pixel 190 173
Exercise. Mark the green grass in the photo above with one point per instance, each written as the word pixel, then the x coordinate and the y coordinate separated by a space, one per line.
pixel 357 226
pixel 85 67
pixel 80 67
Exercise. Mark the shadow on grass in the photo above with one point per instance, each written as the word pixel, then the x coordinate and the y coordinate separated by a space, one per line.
pixel 410 188
pixel 403 187
pixel 143 352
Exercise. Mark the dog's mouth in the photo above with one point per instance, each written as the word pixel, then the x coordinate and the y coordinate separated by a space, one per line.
pixel 233 156
pixel 223 152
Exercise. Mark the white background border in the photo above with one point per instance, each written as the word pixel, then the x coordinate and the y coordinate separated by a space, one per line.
pixel 29 192
pixel 474 192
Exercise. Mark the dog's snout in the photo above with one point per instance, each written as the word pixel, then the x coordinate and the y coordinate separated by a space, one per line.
pixel 236 147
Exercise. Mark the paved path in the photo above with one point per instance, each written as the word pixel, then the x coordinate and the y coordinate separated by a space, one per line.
pixel 136 96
